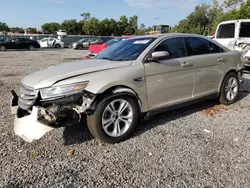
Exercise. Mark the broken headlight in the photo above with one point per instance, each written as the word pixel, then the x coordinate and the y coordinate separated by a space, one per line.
pixel 70 89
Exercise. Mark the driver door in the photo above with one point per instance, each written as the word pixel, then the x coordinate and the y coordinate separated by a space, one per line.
pixel 44 43
pixel 169 80
pixel 14 44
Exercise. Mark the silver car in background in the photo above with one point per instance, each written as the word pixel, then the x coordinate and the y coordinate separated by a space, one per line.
pixel 129 81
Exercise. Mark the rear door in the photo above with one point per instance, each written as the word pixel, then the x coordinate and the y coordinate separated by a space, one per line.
pixel 226 35
pixel 51 42
pixel 169 81
pixel 24 43
pixel 206 57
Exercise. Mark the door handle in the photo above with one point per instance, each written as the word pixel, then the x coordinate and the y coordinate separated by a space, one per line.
pixel 221 60
pixel 186 64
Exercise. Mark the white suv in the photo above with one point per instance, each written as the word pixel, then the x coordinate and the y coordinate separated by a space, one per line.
pixel 61 33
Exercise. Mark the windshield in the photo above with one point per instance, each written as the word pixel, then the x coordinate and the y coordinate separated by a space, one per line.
pixel 113 41
pixel 126 50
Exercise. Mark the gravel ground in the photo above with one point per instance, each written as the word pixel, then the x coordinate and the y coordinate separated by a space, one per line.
pixel 198 146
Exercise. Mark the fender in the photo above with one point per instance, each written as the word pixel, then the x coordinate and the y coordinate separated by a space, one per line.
pixel 128 90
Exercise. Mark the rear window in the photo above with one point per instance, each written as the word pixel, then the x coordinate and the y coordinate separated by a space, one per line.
pixel 245 29
pixel 214 48
pixel 196 46
pixel 226 31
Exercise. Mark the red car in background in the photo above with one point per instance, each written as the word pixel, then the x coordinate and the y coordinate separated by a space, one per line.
pixel 95 49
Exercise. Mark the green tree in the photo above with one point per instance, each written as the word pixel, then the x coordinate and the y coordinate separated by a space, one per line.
pixel 232 4
pixel 122 25
pixel 32 30
pixel 142 30
pixel 16 30
pixel 132 26
pixel 86 16
pixel 72 27
pixel 92 27
pixel 51 27
pixel 4 27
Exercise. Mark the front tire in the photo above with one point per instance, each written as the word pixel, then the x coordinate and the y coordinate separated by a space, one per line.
pixel 2 48
pixel 229 89
pixel 114 119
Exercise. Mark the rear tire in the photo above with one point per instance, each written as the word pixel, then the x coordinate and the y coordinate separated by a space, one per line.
pixel 229 89
pixel 110 124
pixel 31 48
pixel 57 46
pixel 2 48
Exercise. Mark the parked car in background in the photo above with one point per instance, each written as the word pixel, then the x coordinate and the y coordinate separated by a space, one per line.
pixel 95 49
pixel 19 43
pixel 235 35
pixel 134 79
pixel 85 42
pixel 51 43
pixel 61 33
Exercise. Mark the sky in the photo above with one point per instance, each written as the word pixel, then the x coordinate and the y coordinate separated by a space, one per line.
pixel 34 13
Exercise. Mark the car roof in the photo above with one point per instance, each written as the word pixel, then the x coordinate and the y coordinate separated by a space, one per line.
pixel 169 35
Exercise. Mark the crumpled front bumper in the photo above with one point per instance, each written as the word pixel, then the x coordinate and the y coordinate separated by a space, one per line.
pixel 28 127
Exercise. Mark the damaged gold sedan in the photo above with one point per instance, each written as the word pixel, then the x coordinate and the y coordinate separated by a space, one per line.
pixel 131 80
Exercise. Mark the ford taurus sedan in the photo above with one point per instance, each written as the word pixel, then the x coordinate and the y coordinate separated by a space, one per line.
pixel 129 81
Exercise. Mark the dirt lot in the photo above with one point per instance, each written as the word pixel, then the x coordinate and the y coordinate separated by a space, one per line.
pixel 204 145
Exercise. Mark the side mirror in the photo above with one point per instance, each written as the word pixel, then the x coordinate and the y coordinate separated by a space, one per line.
pixel 156 56
pixel 160 55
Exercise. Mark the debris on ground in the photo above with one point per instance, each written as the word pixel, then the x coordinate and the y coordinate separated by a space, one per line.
pixel 33 155
pixel 70 153
pixel 207 131
pixel 212 111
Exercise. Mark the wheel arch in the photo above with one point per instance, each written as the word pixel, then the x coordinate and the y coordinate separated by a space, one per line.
pixel 223 78
pixel 116 91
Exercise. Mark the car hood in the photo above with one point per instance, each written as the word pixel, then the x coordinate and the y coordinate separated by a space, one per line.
pixel 51 75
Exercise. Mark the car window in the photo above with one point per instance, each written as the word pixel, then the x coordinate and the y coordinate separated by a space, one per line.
pixel 175 47
pixel 214 48
pixel 14 40
pixel 226 31
pixel 244 29
pixel 44 40
pixel 85 40
pixel 196 46
pixel 51 39
pixel 94 40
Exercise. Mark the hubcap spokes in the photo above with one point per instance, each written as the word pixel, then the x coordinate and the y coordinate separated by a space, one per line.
pixel 117 118
pixel 231 88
